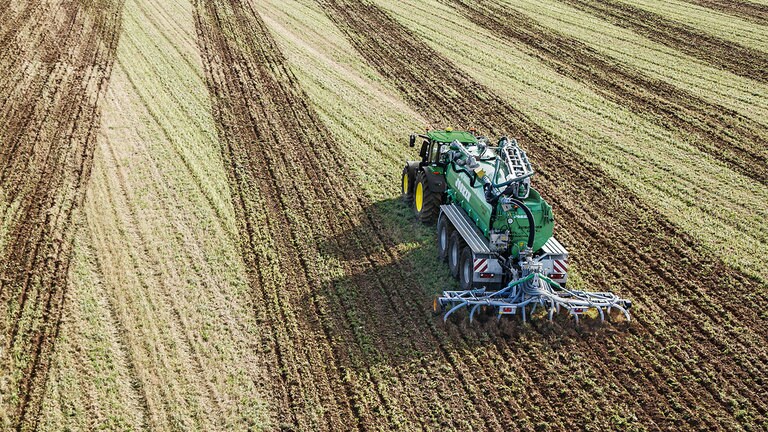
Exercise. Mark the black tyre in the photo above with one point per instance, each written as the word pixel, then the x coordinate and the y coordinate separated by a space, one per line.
pixel 425 202
pixel 455 246
pixel 467 269
pixel 444 231
pixel 406 186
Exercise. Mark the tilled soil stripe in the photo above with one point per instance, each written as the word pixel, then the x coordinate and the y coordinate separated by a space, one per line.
pixel 757 13
pixel 49 136
pixel 447 96
pixel 727 55
pixel 260 114
pixel 720 132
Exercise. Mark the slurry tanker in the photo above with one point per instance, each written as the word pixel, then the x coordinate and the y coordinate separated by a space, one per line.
pixel 494 229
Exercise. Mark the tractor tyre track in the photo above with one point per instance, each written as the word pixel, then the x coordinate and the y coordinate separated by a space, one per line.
pixel 720 132
pixel 727 55
pixel 466 102
pixel 123 345
pixel 49 129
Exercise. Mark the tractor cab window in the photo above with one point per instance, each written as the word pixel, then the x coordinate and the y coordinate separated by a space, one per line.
pixel 434 155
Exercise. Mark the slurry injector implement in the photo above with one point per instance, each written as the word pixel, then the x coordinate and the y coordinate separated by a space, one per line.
pixel 494 229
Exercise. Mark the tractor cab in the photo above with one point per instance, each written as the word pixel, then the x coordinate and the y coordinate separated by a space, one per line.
pixel 434 141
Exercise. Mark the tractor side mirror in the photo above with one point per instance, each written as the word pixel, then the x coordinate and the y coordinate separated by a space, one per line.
pixel 424 153
pixel 412 141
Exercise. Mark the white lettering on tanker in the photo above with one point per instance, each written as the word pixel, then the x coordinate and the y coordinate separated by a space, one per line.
pixel 462 188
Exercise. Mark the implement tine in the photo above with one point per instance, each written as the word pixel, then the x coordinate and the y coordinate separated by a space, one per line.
pixel 472 313
pixel 625 312
pixel 454 309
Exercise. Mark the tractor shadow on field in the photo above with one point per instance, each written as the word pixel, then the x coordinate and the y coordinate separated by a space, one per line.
pixel 385 298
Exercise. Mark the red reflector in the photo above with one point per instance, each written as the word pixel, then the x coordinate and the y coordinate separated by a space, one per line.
pixel 557 276
pixel 506 309
pixel 486 275
pixel 579 310
pixel 436 172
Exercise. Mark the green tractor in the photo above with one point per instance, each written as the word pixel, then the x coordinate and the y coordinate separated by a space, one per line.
pixel 493 228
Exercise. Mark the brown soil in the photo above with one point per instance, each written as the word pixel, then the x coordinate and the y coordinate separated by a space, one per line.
pixel 730 56
pixel 621 242
pixel 54 66
pixel 757 13
pixel 350 337
pixel 720 132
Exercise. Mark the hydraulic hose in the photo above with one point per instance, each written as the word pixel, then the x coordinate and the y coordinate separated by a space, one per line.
pixel 529 215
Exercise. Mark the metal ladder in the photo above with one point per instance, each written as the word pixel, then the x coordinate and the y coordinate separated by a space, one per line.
pixel 516 159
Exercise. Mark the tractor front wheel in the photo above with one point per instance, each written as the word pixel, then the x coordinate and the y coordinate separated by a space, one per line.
pixel 425 202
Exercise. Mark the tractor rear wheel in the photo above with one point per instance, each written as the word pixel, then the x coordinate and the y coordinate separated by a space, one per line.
pixel 444 230
pixel 455 246
pixel 467 269
pixel 406 186
pixel 425 202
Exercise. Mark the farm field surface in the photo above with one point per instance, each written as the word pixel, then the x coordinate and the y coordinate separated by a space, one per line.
pixel 201 225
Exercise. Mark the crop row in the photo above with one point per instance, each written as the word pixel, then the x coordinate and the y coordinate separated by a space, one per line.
pixel 243 260
pixel 740 59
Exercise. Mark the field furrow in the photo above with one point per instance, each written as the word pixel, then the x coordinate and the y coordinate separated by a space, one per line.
pixel 55 83
pixel 423 78
pixel 722 133
pixel 741 60
pixel 94 382
pixel 706 20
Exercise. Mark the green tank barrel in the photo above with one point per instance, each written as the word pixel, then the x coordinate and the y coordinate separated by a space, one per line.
pixel 473 166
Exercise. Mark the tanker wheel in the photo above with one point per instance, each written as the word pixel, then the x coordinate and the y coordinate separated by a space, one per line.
pixel 444 230
pixel 406 186
pixel 425 202
pixel 455 246
pixel 467 269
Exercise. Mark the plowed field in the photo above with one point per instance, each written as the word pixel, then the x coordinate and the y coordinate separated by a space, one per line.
pixel 202 230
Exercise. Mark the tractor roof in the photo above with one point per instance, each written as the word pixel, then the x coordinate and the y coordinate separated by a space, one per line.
pixel 449 136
